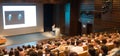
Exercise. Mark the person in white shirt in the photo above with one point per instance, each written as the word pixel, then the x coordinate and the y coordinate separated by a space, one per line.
pixel 76 48
pixel 53 27
pixel 116 49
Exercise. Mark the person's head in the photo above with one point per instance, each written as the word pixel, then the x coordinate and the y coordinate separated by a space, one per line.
pixel 23 46
pixel 33 53
pixel 40 52
pixel 33 47
pixel 84 35
pixel 91 50
pixel 97 41
pixel 90 45
pixel 68 43
pixel 104 41
pixel 72 42
pixel 29 46
pixel 78 42
pixel 73 54
pixel 117 43
pixel 5 51
pixel 11 48
pixel 20 49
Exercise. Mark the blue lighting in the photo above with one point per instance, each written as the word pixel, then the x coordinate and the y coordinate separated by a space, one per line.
pixel 19 16
pixel 86 16
pixel 10 17
pixel 67 14
pixel 67 18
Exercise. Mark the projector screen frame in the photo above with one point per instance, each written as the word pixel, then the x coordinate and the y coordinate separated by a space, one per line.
pixel 25 30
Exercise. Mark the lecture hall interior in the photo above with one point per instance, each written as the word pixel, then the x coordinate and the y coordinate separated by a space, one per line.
pixel 59 27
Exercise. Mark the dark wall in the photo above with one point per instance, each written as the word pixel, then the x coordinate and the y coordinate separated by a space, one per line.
pixel 107 20
pixel 59 17
pixel 74 18
pixel 48 17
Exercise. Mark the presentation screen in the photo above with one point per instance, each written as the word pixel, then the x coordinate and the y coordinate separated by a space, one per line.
pixel 19 16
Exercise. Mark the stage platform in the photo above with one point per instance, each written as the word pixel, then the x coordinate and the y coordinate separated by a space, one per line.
pixel 31 38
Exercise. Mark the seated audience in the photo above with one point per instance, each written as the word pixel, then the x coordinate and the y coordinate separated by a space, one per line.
pixel 73 54
pixel 92 51
pixel 40 52
pixel 21 52
pixel 16 52
pixel 117 53
pixel 1 52
pixel 116 49
pixel 95 43
pixel 104 48
pixel 76 48
pixel 11 53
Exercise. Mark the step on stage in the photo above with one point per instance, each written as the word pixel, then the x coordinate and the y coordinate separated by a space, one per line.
pixel 27 38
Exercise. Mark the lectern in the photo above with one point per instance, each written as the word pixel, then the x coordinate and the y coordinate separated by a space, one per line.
pixel 56 31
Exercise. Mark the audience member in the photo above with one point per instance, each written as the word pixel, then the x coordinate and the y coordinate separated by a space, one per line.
pixel 11 53
pixel 73 54
pixel 116 49
pixel 1 52
pixel 104 48
pixel 92 51
pixel 16 52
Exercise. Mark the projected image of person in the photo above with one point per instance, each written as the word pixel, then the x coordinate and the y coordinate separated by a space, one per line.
pixel 9 17
pixel 14 17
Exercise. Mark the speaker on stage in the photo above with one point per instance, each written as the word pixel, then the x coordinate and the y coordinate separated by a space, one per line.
pixel 55 31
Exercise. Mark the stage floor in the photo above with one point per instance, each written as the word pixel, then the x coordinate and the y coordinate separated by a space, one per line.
pixel 31 38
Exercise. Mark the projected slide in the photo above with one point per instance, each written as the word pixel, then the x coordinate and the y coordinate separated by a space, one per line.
pixel 19 16
pixel 14 17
